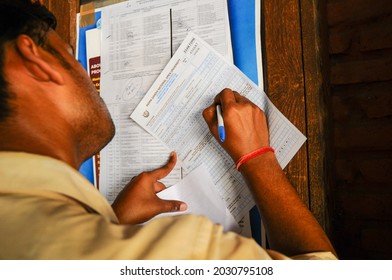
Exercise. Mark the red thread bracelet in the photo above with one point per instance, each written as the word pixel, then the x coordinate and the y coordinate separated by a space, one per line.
pixel 251 155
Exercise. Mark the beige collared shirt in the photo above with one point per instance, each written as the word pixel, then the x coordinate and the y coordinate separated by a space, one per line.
pixel 49 211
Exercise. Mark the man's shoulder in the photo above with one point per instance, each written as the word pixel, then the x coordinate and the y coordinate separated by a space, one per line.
pixel 40 176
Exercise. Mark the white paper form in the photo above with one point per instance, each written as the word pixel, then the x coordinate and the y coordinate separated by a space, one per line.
pixel 172 111
pixel 259 59
pixel 138 39
pixel 199 192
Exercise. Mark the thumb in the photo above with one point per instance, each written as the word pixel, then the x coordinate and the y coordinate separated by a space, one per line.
pixel 172 206
pixel 209 115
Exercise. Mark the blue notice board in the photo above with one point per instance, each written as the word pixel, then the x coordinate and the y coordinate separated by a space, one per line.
pixel 87 168
pixel 242 15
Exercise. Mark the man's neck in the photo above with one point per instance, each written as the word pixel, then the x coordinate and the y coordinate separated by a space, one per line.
pixel 44 141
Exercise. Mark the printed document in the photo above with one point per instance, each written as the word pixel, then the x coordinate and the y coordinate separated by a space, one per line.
pixel 138 40
pixel 172 112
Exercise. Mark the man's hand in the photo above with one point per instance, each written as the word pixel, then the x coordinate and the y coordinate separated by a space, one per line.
pixel 245 124
pixel 291 227
pixel 138 202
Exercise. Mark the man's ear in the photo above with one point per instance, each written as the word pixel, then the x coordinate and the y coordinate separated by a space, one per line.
pixel 37 66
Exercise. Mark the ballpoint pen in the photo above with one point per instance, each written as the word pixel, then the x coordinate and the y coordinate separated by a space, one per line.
pixel 221 125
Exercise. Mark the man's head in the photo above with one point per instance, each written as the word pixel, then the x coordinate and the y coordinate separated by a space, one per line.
pixel 48 105
pixel 16 18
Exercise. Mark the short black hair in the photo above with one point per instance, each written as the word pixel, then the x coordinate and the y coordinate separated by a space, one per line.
pixel 19 17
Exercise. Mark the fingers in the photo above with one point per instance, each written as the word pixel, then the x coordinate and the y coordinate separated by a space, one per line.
pixel 225 97
pixel 172 206
pixel 228 96
pixel 245 123
pixel 165 170
pixel 209 115
pixel 158 187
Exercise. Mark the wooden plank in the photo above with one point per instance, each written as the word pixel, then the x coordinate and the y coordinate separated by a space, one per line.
pixel 315 55
pixel 374 136
pixel 369 173
pixel 361 62
pixel 376 35
pixel 65 12
pixel 376 239
pixel 347 238
pixel 376 170
pixel 366 206
pixel 284 77
pixel 73 9
pixel 348 11
pixel 362 68
pixel 361 37
pixel 355 103
pixel 341 38
pixel 357 243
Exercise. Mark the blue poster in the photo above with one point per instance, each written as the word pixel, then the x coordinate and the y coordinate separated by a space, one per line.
pixel 87 168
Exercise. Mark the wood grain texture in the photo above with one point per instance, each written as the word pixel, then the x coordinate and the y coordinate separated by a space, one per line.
pixel 284 77
pixel 315 58
pixel 65 12
pixel 361 80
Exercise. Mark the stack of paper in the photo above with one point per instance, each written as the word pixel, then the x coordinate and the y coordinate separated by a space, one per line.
pixel 202 197
pixel 138 39
pixel 172 112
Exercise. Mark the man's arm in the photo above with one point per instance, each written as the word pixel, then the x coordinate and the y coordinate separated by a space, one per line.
pixel 290 226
